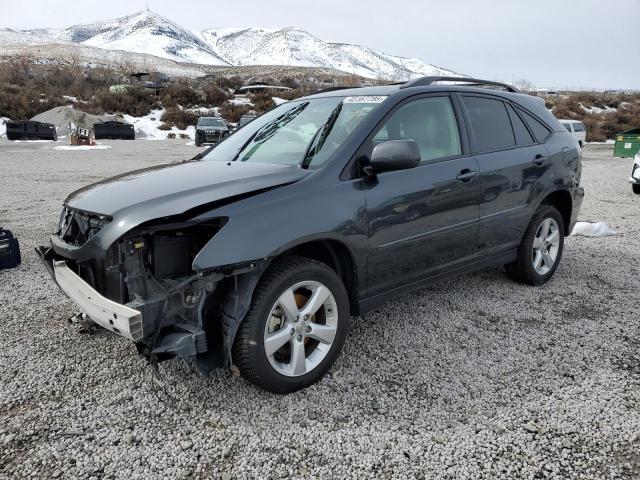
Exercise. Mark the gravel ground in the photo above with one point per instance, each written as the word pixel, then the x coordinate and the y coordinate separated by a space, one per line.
pixel 477 377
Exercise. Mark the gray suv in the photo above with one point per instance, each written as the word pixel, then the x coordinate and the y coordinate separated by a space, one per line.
pixel 259 251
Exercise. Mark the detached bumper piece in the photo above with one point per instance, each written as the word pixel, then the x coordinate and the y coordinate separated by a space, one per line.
pixel 117 318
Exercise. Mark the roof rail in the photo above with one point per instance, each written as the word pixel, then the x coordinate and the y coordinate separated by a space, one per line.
pixel 425 81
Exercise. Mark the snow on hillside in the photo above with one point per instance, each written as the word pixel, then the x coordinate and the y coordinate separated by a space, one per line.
pixel 294 46
pixel 151 34
pixel 144 32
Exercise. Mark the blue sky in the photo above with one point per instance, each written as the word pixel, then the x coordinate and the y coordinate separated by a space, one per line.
pixel 553 43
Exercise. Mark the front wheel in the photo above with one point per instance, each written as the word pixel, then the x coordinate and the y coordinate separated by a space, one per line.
pixel 636 188
pixel 541 248
pixel 295 328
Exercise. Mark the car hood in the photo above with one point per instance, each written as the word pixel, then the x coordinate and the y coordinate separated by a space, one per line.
pixel 173 189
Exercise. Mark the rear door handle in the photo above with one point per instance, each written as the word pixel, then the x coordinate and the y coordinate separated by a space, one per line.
pixel 466 175
pixel 540 160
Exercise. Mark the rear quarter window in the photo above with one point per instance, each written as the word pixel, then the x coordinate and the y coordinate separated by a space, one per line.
pixel 523 137
pixel 578 127
pixel 539 129
pixel 567 126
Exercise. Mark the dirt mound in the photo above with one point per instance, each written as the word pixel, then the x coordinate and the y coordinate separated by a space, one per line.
pixel 61 116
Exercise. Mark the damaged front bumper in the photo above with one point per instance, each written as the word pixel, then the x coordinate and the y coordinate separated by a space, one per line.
pixel 143 321
pixel 120 319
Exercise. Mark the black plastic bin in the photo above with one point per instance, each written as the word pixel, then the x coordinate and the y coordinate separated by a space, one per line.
pixel 113 130
pixel 31 130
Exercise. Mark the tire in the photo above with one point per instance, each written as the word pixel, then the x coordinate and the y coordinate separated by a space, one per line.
pixel 275 371
pixel 525 269
pixel 198 141
pixel 636 188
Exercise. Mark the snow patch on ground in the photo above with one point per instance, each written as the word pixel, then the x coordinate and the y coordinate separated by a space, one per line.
pixel 598 109
pixel 595 229
pixel 82 147
pixel 241 100
pixel 148 127
pixel 606 142
pixel 3 126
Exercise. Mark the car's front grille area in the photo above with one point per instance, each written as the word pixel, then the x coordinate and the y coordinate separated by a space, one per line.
pixel 77 227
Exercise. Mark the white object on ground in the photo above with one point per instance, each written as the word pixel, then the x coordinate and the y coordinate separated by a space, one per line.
pixel 596 229
pixel 82 147
pixel 3 125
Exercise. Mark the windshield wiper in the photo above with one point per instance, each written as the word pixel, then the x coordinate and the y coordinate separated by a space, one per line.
pixel 320 137
pixel 269 129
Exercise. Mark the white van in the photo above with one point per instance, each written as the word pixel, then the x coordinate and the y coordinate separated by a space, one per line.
pixel 577 129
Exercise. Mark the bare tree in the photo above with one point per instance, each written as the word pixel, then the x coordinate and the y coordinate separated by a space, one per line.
pixel 524 85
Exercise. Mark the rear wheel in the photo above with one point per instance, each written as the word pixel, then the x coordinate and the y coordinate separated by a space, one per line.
pixel 541 248
pixel 636 188
pixel 295 328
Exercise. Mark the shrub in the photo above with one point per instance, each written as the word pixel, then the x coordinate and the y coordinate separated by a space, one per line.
pixel 232 112
pixel 171 136
pixel 179 118
pixel 262 102
pixel 134 101
pixel 180 93
pixel 600 126
pixel 214 96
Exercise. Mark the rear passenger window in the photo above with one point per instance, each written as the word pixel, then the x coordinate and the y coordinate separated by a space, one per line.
pixel 539 129
pixel 429 121
pixel 523 137
pixel 490 123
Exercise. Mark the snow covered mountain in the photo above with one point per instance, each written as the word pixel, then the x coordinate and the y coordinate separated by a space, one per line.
pixel 149 33
pixel 144 32
pixel 294 46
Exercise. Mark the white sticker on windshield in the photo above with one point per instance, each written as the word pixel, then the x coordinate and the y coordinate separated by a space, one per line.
pixel 365 99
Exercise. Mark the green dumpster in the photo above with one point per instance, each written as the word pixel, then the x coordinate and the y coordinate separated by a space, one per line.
pixel 627 143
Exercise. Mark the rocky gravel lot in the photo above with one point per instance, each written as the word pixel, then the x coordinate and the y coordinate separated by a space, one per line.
pixel 474 378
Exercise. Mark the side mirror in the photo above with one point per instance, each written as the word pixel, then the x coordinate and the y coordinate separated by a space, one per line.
pixel 394 155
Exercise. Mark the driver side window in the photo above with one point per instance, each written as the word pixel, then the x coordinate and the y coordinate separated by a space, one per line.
pixel 429 121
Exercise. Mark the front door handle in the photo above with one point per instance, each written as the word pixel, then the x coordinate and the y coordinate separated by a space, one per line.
pixel 540 160
pixel 467 175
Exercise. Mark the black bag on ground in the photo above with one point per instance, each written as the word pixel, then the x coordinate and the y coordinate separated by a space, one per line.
pixel 9 250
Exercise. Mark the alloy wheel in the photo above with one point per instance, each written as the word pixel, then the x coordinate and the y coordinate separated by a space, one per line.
pixel 301 328
pixel 546 245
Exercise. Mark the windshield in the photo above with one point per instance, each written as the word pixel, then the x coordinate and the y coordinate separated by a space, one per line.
pixel 303 133
pixel 211 122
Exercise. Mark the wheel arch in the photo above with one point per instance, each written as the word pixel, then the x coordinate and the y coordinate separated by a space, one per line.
pixel 563 202
pixel 230 302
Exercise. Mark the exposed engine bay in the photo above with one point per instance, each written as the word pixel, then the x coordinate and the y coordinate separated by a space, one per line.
pixel 150 270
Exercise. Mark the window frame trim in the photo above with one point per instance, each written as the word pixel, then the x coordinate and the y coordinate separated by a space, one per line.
pixel 365 148
pixel 515 106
